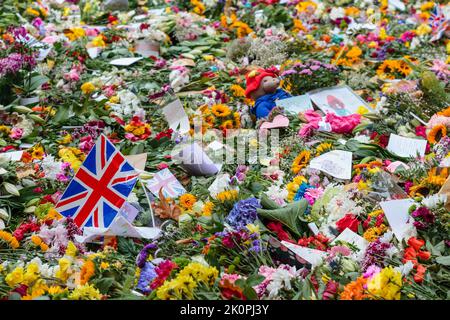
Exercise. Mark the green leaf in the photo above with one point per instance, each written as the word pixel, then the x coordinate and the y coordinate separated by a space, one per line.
pixel 445 260
pixel 61 115
pixel 254 280
pixel 250 293
pixel 103 284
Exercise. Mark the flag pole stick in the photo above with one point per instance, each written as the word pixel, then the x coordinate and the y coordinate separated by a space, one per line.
pixel 149 202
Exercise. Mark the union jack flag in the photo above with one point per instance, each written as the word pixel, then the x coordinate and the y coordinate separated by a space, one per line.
pixel 99 188
pixel 165 180
pixel 439 22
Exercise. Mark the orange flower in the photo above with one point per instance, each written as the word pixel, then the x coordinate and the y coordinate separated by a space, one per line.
pixel 419 276
pixel 416 243
pixel 355 290
pixel 187 201
pixel 445 112
pixel 300 161
pixel 87 271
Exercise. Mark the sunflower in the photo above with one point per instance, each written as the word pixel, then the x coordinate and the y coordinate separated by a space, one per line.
pixel 445 112
pixel 220 110
pixel 300 161
pixel 237 90
pixel 437 179
pixel 228 124
pixel 237 119
pixel 436 133
pixel 38 152
pixel 187 201
pixel 323 147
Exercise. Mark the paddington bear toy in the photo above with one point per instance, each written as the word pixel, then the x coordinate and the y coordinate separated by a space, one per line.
pixel 262 86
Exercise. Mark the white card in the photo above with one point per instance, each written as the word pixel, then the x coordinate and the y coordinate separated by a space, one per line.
pixel 396 212
pixel 406 147
pixel 176 117
pixel 337 163
pixel 295 104
pixel 196 162
pixel 313 256
pixel 125 61
pixel 398 4
pixel 93 52
pixel 353 238
pixel 312 226
pixel 215 145
pixel 12 156
pixel 119 227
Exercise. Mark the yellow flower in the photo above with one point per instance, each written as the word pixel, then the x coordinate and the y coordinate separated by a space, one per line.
pixel 423 29
pixel 36 240
pixel 74 33
pixel 53 215
pixel 85 292
pixel 354 53
pixel 237 90
pixel 436 133
pixel 72 155
pixel 300 161
pixel 207 208
pixel 227 195
pixel 323 147
pixel 114 99
pixel 427 6
pixel 386 284
pixel 66 139
pixel 208 57
pixel 32 12
pixel 362 110
pixel 187 201
pixel 87 88
pixel 71 249
pixel 54 290
pixel 15 277
pixel 63 269
pixel 220 110
pixel 98 41
pixel 37 152
pixel 253 228
pixel 104 265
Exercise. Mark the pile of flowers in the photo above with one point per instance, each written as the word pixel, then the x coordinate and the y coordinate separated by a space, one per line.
pixel 242 227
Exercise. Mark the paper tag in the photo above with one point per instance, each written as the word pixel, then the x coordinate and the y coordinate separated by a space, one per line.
pixel 351 237
pixel 129 212
pixel 125 61
pixel 397 4
pixel 12 156
pixel 93 52
pixel 337 163
pixel 396 212
pixel 314 257
pixel 137 161
pixel 312 226
pixel 406 147
pixel 176 117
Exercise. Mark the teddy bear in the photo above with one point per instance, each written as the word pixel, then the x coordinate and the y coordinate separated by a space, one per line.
pixel 262 87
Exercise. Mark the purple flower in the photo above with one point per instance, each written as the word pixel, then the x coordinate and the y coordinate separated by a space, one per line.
pixel 243 213
pixel 423 218
pixel 146 276
pixel 375 254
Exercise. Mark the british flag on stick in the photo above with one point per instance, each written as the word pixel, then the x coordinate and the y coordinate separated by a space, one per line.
pixel 99 188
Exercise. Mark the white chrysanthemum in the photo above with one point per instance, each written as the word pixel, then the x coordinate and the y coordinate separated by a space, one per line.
pixel 434 200
pixel 50 167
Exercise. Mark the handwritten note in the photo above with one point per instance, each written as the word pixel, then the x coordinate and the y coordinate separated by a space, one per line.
pixel 295 104
pixel 176 117
pixel 406 147
pixel 336 163
pixel 396 212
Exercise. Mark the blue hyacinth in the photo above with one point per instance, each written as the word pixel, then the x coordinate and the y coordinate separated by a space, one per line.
pixel 243 213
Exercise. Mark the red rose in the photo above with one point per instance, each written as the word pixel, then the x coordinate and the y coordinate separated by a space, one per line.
pixel 349 221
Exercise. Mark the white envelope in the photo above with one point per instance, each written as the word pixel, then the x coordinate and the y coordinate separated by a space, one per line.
pixel 176 117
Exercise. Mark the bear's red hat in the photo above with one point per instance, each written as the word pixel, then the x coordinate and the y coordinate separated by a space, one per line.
pixel 253 79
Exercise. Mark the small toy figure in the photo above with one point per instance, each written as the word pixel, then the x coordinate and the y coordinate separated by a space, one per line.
pixel 262 86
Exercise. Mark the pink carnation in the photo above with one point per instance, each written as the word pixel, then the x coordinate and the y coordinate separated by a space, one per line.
pixel 343 124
